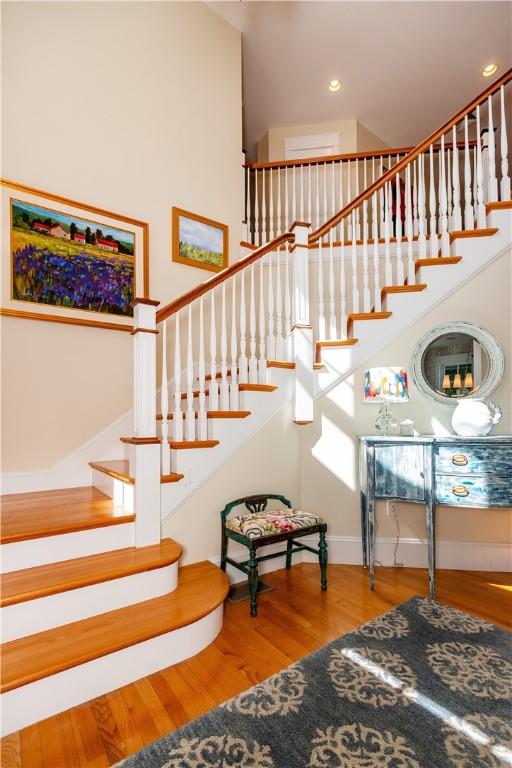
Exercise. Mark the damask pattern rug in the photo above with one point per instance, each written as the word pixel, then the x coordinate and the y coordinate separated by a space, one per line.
pixel 423 686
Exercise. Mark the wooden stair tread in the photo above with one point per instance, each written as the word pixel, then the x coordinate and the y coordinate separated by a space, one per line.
pixel 257 387
pixel 51 513
pixel 280 364
pixel 368 316
pixel 319 345
pixel 213 415
pixel 437 261
pixel 185 444
pixel 463 233
pixel 119 469
pixel 403 288
pixel 498 205
pixel 44 580
pixel 202 587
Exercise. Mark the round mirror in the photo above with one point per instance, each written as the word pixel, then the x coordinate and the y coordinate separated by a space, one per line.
pixel 457 360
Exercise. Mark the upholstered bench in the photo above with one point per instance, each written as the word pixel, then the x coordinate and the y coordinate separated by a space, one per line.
pixel 262 526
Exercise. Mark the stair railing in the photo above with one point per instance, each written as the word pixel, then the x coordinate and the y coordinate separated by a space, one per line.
pixel 413 211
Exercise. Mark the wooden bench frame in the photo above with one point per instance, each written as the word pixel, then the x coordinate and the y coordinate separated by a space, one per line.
pixel 255 504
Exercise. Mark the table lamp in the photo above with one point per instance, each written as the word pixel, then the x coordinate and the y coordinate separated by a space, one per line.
pixel 386 385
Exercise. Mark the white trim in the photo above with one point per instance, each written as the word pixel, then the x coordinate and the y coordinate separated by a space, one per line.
pixel 65 607
pixel 313 144
pixel 33 702
pixel 66 546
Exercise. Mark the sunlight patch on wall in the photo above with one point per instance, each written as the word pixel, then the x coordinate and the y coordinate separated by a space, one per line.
pixel 337 452
pixel 343 396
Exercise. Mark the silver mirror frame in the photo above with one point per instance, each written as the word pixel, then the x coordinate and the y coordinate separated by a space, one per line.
pixel 488 342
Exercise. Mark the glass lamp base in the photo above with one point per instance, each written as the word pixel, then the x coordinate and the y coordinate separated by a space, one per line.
pixel 386 424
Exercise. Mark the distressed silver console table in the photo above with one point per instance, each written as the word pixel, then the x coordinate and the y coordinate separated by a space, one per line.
pixel 452 471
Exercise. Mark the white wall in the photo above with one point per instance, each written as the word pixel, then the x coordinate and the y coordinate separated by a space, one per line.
pixel 329 447
pixel 133 107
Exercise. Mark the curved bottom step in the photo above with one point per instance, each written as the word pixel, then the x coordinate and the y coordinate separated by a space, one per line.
pixel 54 670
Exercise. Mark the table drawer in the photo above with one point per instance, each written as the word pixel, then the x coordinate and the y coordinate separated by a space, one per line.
pixel 475 491
pixel 468 459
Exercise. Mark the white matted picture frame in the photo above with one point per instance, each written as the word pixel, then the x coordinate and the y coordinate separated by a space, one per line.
pixel 70 262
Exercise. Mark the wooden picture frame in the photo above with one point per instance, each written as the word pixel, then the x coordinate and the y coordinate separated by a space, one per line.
pixel 70 262
pixel 196 240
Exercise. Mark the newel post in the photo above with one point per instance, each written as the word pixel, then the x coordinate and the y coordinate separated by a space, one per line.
pixel 145 445
pixel 302 330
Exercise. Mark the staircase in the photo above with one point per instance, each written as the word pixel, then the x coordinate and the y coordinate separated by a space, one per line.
pixel 91 597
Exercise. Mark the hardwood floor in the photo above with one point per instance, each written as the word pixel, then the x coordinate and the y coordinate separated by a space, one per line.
pixel 293 620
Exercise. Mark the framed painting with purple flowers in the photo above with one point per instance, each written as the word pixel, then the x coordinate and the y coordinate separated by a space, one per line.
pixel 70 262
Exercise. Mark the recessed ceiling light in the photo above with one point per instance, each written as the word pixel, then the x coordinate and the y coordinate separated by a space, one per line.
pixel 334 86
pixel 489 70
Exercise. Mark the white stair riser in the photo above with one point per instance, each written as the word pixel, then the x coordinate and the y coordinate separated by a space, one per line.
pixel 66 546
pixel 33 702
pixel 33 616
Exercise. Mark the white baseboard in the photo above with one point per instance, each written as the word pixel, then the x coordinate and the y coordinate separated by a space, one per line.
pixel 411 553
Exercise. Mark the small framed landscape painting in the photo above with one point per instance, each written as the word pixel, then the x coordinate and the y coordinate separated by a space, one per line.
pixel 70 262
pixel 199 242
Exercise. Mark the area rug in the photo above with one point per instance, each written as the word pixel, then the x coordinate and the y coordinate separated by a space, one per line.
pixel 423 686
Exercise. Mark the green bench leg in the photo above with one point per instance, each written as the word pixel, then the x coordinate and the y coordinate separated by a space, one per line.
pixel 223 550
pixel 253 581
pixel 322 557
pixel 289 545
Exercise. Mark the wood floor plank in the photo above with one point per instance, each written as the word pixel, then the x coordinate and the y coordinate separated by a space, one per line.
pixel 10 752
pixel 292 620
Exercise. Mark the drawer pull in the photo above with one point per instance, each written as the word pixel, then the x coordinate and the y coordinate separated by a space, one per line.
pixel 460 490
pixel 460 460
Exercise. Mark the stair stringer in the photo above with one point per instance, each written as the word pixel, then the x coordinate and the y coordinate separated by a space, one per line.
pixel 477 253
pixel 232 434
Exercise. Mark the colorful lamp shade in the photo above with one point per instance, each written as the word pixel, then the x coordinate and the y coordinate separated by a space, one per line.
pixel 386 385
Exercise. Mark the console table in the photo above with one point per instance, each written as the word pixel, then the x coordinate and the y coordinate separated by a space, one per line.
pixel 452 471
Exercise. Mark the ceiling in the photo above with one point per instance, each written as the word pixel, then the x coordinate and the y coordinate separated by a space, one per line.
pixel 406 67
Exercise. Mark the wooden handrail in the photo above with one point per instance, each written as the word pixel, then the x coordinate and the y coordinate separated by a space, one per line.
pixel 220 277
pixel 326 159
pixel 366 194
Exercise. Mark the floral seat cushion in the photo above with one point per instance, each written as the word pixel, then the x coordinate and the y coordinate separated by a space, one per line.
pixel 272 522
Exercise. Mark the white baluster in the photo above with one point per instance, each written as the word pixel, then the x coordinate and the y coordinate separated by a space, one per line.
pixel 398 232
pixel 256 209
pixel 376 257
pixel 253 362
pixel 349 200
pixel 271 234
pixel 245 192
pixel 271 339
pixel 475 192
pixel 287 306
pixel 333 191
pixel 342 222
pixel 317 199
pixel 409 227
pixel 310 211
pixel 422 212
pixel 469 216
pixel 366 286
pixel 286 207
pixel 164 404
pixel 457 212
pixel 177 415
pixel 505 178
pixel 480 207
pixel 443 204
pixel 233 384
pixel 279 229
pixel 492 182
pixel 262 361
pixel 302 193
pixel 432 208
pixel 415 182
pixel 202 419
pixel 332 301
pixel 320 288
pixel 263 208
pixel 357 212
pixel 343 292
pixel 325 215
pixel 294 192
pixel 355 286
pixel 213 398
pixel 388 272
pixel 279 339
pixel 449 191
pixel 224 384
pixel 190 416
pixel 382 202
pixel 243 362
